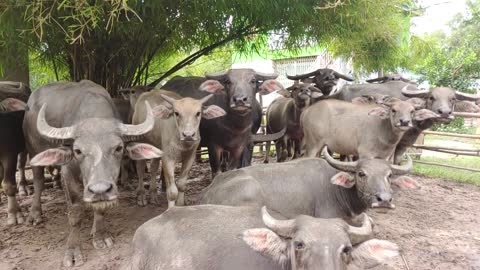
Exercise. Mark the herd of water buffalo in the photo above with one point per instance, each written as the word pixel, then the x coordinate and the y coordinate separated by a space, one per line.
pixel 307 213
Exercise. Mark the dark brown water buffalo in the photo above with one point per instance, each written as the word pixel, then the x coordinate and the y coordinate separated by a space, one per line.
pixel 76 126
pixel 311 186
pixel 284 113
pixel 16 90
pixel 324 79
pixel 238 238
pixel 235 93
pixel 11 144
pixel 176 132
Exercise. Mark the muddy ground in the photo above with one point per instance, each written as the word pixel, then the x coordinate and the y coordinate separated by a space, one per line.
pixel 438 227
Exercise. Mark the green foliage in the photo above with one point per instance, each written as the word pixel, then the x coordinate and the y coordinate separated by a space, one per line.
pixel 450 173
pixel 455 126
pixel 119 43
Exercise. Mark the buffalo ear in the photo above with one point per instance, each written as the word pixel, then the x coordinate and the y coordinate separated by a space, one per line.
pixel 53 157
pixel 418 103
pixel 424 114
pixel 212 86
pixel 374 252
pixel 381 112
pixel 213 111
pixel 266 242
pixel 343 179
pixel 162 111
pixel 405 182
pixel 140 151
pixel 270 86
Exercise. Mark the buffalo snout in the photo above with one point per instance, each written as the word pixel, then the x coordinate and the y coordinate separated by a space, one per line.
pixel 188 136
pixel 404 122
pixel 240 100
pixel 444 112
pixel 383 200
pixel 100 191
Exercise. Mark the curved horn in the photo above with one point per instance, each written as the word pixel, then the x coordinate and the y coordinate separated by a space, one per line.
pixel 414 93
pixel 407 80
pixel 206 98
pixel 303 76
pixel 50 132
pixel 281 227
pixel 265 76
pixel 402 169
pixel 168 99
pixel 216 76
pixel 341 76
pixel 11 84
pixel 465 96
pixel 360 234
pixel 345 166
pixel 377 79
pixel 133 132
pixel 269 137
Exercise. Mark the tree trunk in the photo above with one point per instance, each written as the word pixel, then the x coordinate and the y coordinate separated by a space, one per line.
pixel 15 68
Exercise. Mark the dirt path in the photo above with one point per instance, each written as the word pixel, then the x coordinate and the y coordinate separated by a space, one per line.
pixel 438 227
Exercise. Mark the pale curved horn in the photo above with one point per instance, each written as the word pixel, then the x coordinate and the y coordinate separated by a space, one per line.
pixel 216 76
pixel 303 76
pixel 11 84
pixel 265 76
pixel 133 132
pixel 379 79
pixel 346 166
pixel 268 137
pixel 402 169
pixel 360 234
pixel 281 227
pixel 50 132
pixel 206 98
pixel 168 99
pixel 464 96
pixel 414 93
pixel 341 76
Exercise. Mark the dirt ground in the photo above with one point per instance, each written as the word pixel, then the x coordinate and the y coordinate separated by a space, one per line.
pixel 437 227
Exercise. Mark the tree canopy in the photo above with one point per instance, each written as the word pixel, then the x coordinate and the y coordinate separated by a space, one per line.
pixel 116 43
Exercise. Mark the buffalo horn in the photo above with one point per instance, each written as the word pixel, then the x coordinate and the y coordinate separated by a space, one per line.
pixel 216 76
pixel 303 76
pixel 50 132
pixel 414 93
pixel 402 169
pixel 168 99
pixel 465 96
pixel 379 79
pixel 281 227
pixel 345 166
pixel 206 98
pixel 265 76
pixel 341 76
pixel 269 137
pixel 132 132
pixel 360 234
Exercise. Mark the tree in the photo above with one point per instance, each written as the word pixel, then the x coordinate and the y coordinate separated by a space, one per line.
pixel 115 42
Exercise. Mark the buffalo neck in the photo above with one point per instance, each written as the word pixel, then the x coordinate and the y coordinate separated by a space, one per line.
pixel 390 136
pixel 238 122
pixel 347 199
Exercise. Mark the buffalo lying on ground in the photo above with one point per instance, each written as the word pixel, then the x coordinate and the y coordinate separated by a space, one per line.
pixel 76 126
pixel 312 186
pixel 284 113
pixel 176 133
pixel 235 92
pixel 234 238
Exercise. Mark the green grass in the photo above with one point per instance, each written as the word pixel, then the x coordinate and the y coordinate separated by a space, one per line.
pixel 451 173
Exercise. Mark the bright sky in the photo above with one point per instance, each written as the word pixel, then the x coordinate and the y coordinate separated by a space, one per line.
pixel 437 15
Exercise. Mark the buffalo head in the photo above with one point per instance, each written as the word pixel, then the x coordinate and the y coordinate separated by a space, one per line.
pixel 96 146
pixel 371 178
pixel 240 87
pixel 302 94
pixel 390 77
pixel 324 79
pixel 308 243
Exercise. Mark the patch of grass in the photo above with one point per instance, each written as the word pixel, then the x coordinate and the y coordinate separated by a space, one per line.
pixel 451 173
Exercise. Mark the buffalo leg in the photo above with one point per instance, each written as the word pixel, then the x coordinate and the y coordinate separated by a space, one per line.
pixel 141 196
pixel 168 171
pixel 398 155
pixel 188 159
pixel 35 215
pixel 22 185
pixel 289 147
pixel 101 237
pixel 297 150
pixel 214 157
pixel 56 176
pixel 246 157
pixel 14 215
pixel 267 152
pixel 153 193
pixel 235 158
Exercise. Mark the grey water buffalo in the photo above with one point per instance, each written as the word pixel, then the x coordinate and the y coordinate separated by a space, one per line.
pixel 76 126
pixel 235 92
pixel 324 79
pixel 234 238
pixel 326 189
pixel 284 113
pixel 390 77
pixel 132 94
pixel 11 144
pixel 365 131
pixel 16 90
pixel 176 132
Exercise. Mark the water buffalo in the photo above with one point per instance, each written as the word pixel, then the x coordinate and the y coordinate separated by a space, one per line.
pixel 76 126
pixel 16 90
pixel 235 93
pixel 390 77
pixel 324 79
pixel 326 189
pixel 11 144
pixel 365 131
pixel 176 133
pixel 234 238
pixel 284 113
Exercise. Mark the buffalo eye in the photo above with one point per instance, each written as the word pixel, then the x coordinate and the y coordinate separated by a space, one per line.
pixel 389 175
pixel 361 174
pixel 432 98
pixel 227 82
pixel 347 250
pixel 77 152
pixel 299 245
pixel 198 114
pixel 119 149
pixel 176 114
pixel 394 111
pixel 253 81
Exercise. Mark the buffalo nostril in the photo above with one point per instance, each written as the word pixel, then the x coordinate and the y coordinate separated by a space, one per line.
pixel 100 188
pixel 440 111
pixel 384 197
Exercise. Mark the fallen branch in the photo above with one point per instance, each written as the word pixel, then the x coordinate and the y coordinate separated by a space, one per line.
pixel 435 148
pixel 451 134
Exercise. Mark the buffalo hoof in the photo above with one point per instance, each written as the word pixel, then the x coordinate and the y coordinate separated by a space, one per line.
pixel 101 243
pixel 142 199
pixel 34 217
pixel 73 257
pixel 23 191
pixel 265 161
pixel 180 199
pixel 15 218
pixel 57 183
pixel 154 198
